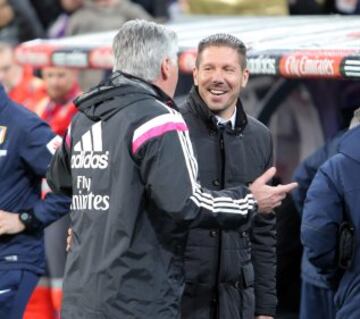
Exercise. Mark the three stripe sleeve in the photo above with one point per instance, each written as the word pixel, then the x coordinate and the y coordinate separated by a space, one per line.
pixel 170 170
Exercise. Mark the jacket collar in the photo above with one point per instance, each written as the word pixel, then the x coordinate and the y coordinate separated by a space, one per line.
pixel 116 93
pixel 119 78
pixel 199 107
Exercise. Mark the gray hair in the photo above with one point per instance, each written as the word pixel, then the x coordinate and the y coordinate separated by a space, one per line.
pixel 223 40
pixel 141 46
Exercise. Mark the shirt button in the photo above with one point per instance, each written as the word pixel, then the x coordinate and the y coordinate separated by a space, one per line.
pixel 213 233
pixel 216 182
pixel 237 284
pixel 244 234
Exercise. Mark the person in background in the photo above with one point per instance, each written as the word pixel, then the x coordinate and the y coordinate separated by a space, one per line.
pixel 233 149
pixel 19 22
pixel 57 108
pixel 158 9
pixel 26 147
pixel 344 7
pixel 47 10
pixel 317 292
pixel 129 165
pixel 58 27
pixel 109 15
pixel 331 201
pixel 19 81
pixel 8 31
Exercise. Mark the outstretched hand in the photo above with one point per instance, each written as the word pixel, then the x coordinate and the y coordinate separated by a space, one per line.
pixel 269 197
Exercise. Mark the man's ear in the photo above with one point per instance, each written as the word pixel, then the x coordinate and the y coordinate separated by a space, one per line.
pixel 165 69
pixel 245 78
pixel 195 76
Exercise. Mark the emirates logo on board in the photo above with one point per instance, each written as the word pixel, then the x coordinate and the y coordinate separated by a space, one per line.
pixel 302 66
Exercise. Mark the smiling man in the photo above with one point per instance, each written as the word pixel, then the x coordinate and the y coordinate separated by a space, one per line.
pixel 219 75
pixel 225 278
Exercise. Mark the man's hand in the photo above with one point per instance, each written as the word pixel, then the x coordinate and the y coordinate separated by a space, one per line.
pixel 69 240
pixel 264 317
pixel 269 197
pixel 10 223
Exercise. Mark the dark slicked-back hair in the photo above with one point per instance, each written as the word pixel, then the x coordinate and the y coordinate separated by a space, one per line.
pixel 223 40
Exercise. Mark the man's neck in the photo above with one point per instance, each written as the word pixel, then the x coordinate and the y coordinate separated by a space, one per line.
pixel 231 118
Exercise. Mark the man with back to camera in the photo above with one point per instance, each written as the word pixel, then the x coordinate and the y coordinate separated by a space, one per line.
pixel 233 149
pixel 26 146
pixel 128 162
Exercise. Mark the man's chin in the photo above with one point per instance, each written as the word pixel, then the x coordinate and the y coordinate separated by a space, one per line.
pixel 215 108
pixel 217 102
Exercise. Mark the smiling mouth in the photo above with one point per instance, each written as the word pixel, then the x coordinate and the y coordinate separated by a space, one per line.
pixel 217 92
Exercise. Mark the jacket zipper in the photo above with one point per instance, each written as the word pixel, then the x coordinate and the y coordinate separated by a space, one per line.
pixel 222 185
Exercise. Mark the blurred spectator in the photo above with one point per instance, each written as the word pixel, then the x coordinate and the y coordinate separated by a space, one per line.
pixel 47 11
pixel 108 14
pixel 8 31
pixel 324 7
pixel 176 9
pixel 59 26
pixel 6 13
pixel 20 83
pixel 156 8
pixel 27 19
pixel 58 108
pixel 19 21
pixel 71 6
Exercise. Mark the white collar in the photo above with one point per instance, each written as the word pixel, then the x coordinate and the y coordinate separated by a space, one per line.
pixel 220 120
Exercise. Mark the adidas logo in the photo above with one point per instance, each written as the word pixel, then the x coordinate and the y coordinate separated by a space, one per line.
pixel 91 140
pixel 88 152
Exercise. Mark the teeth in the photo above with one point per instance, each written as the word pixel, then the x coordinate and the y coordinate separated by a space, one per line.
pixel 217 92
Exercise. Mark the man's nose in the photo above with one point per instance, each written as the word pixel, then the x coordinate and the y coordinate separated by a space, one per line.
pixel 217 76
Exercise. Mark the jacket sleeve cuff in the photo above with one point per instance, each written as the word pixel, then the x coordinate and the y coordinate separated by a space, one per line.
pixel 265 311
